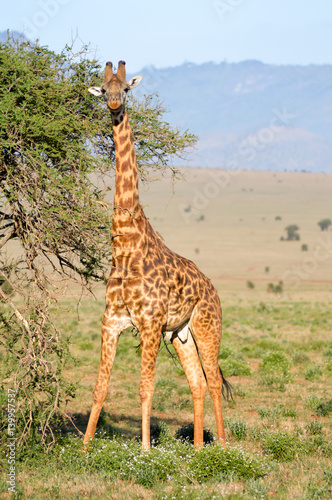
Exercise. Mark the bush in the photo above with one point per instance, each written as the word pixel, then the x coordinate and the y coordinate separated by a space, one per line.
pixel 276 412
pixel 170 459
pixel 216 462
pixel 313 373
pixel 276 362
pixel 277 289
pixel 274 371
pixel 324 224
pixel 238 429
pixel 233 363
pixel 283 447
pixel 314 427
pixel 311 401
pixel 292 232
pixel 324 408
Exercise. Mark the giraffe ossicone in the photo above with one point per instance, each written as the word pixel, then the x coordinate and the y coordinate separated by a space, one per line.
pixel 153 289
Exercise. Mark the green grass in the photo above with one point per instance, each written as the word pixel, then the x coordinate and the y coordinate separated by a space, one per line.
pixel 279 432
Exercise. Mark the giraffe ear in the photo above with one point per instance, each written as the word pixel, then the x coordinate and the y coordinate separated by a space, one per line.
pixel 95 91
pixel 134 81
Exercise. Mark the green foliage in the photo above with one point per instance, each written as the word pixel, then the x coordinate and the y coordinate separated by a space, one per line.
pixel 275 370
pixel 292 232
pixel 120 459
pixel 233 363
pixel 277 411
pixel 282 446
pixel 311 401
pixel 285 447
pixel 216 462
pixel 324 407
pixel 238 429
pixel 313 373
pixel 276 362
pixel 277 289
pixel 164 390
pixel 300 357
pixel 324 224
pixel 314 427
pixel 250 285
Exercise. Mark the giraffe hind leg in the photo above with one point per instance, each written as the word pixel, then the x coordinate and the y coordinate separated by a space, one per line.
pixel 206 328
pixel 187 352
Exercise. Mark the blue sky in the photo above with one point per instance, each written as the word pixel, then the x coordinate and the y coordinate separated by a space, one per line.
pixel 168 33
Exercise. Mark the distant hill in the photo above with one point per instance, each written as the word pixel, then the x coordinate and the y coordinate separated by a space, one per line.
pixel 251 115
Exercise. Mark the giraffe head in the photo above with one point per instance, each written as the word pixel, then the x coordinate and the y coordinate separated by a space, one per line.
pixel 115 87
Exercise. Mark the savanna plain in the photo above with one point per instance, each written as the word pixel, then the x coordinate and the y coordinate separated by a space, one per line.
pixel 276 351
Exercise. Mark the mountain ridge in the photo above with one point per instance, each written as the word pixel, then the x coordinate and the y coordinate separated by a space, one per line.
pixel 237 111
pixel 234 104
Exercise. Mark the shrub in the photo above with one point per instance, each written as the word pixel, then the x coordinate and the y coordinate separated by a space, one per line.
pixel 324 224
pixel 238 429
pixel 233 363
pixel 276 412
pixel 250 285
pixel 311 401
pixel 276 362
pixel 313 373
pixel 304 247
pixel 234 367
pixel 277 289
pixel 283 447
pixel 300 357
pixel 274 371
pixel 215 461
pixel 292 232
pixel 324 408
pixel 328 351
pixel 314 427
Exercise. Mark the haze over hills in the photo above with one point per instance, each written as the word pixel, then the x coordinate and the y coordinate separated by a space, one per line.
pixel 251 115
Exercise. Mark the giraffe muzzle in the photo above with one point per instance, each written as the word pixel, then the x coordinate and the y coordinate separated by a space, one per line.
pixel 114 104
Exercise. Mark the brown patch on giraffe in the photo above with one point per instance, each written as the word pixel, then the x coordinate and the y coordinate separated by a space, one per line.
pixel 125 150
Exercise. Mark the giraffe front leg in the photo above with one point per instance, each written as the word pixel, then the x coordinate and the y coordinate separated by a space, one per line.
pixel 109 341
pixel 150 341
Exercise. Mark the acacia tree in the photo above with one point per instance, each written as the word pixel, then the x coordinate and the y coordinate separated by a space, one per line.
pixel 324 224
pixel 292 232
pixel 56 144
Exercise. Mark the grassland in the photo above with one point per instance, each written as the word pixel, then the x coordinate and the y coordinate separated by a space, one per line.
pixel 276 351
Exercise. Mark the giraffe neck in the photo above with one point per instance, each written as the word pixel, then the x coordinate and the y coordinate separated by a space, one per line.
pixel 126 183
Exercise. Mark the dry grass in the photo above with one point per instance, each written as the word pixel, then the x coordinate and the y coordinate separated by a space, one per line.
pixel 236 240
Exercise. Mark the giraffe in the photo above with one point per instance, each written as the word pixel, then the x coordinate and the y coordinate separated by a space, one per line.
pixel 153 289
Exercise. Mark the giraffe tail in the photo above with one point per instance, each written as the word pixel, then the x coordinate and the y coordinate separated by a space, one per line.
pixel 227 388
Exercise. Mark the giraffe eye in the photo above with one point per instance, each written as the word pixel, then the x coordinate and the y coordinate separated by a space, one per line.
pixel 103 91
pixel 127 89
